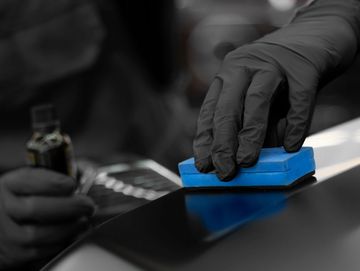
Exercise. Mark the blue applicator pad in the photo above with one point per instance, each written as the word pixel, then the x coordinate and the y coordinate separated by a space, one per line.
pixel 275 168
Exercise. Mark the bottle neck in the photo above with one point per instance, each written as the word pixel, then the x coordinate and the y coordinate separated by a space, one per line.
pixel 46 129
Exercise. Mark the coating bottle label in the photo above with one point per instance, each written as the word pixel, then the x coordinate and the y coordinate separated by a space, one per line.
pixel 59 157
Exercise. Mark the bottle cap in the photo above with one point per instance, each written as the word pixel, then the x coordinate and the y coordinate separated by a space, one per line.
pixel 44 118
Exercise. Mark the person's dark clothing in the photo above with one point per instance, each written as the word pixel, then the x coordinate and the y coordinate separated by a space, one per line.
pixel 79 56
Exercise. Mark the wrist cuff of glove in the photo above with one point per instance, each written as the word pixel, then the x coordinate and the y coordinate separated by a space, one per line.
pixel 322 35
pixel 348 10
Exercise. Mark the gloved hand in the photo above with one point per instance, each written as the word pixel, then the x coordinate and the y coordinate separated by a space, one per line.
pixel 272 79
pixel 39 215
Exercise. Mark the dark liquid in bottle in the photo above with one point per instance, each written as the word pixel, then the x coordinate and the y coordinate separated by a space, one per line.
pixel 52 151
pixel 48 147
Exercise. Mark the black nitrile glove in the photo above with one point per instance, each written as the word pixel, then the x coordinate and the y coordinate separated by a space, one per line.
pixel 39 215
pixel 272 83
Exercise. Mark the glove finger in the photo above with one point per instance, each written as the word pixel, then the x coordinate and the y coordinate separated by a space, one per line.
pixel 37 181
pixel 16 257
pixel 277 117
pixel 41 253
pixel 50 234
pixel 302 102
pixel 228 122
pixel 48 209
pixel 204 133
pixel 256 115
pixel 275 134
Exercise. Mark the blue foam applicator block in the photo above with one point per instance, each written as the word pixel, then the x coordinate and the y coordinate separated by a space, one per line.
pixel 275 168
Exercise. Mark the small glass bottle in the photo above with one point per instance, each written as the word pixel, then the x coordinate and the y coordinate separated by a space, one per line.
pixel 49 147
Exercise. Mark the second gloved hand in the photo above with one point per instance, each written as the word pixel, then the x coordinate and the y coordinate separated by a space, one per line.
pixel 274 78
pixel 39 215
